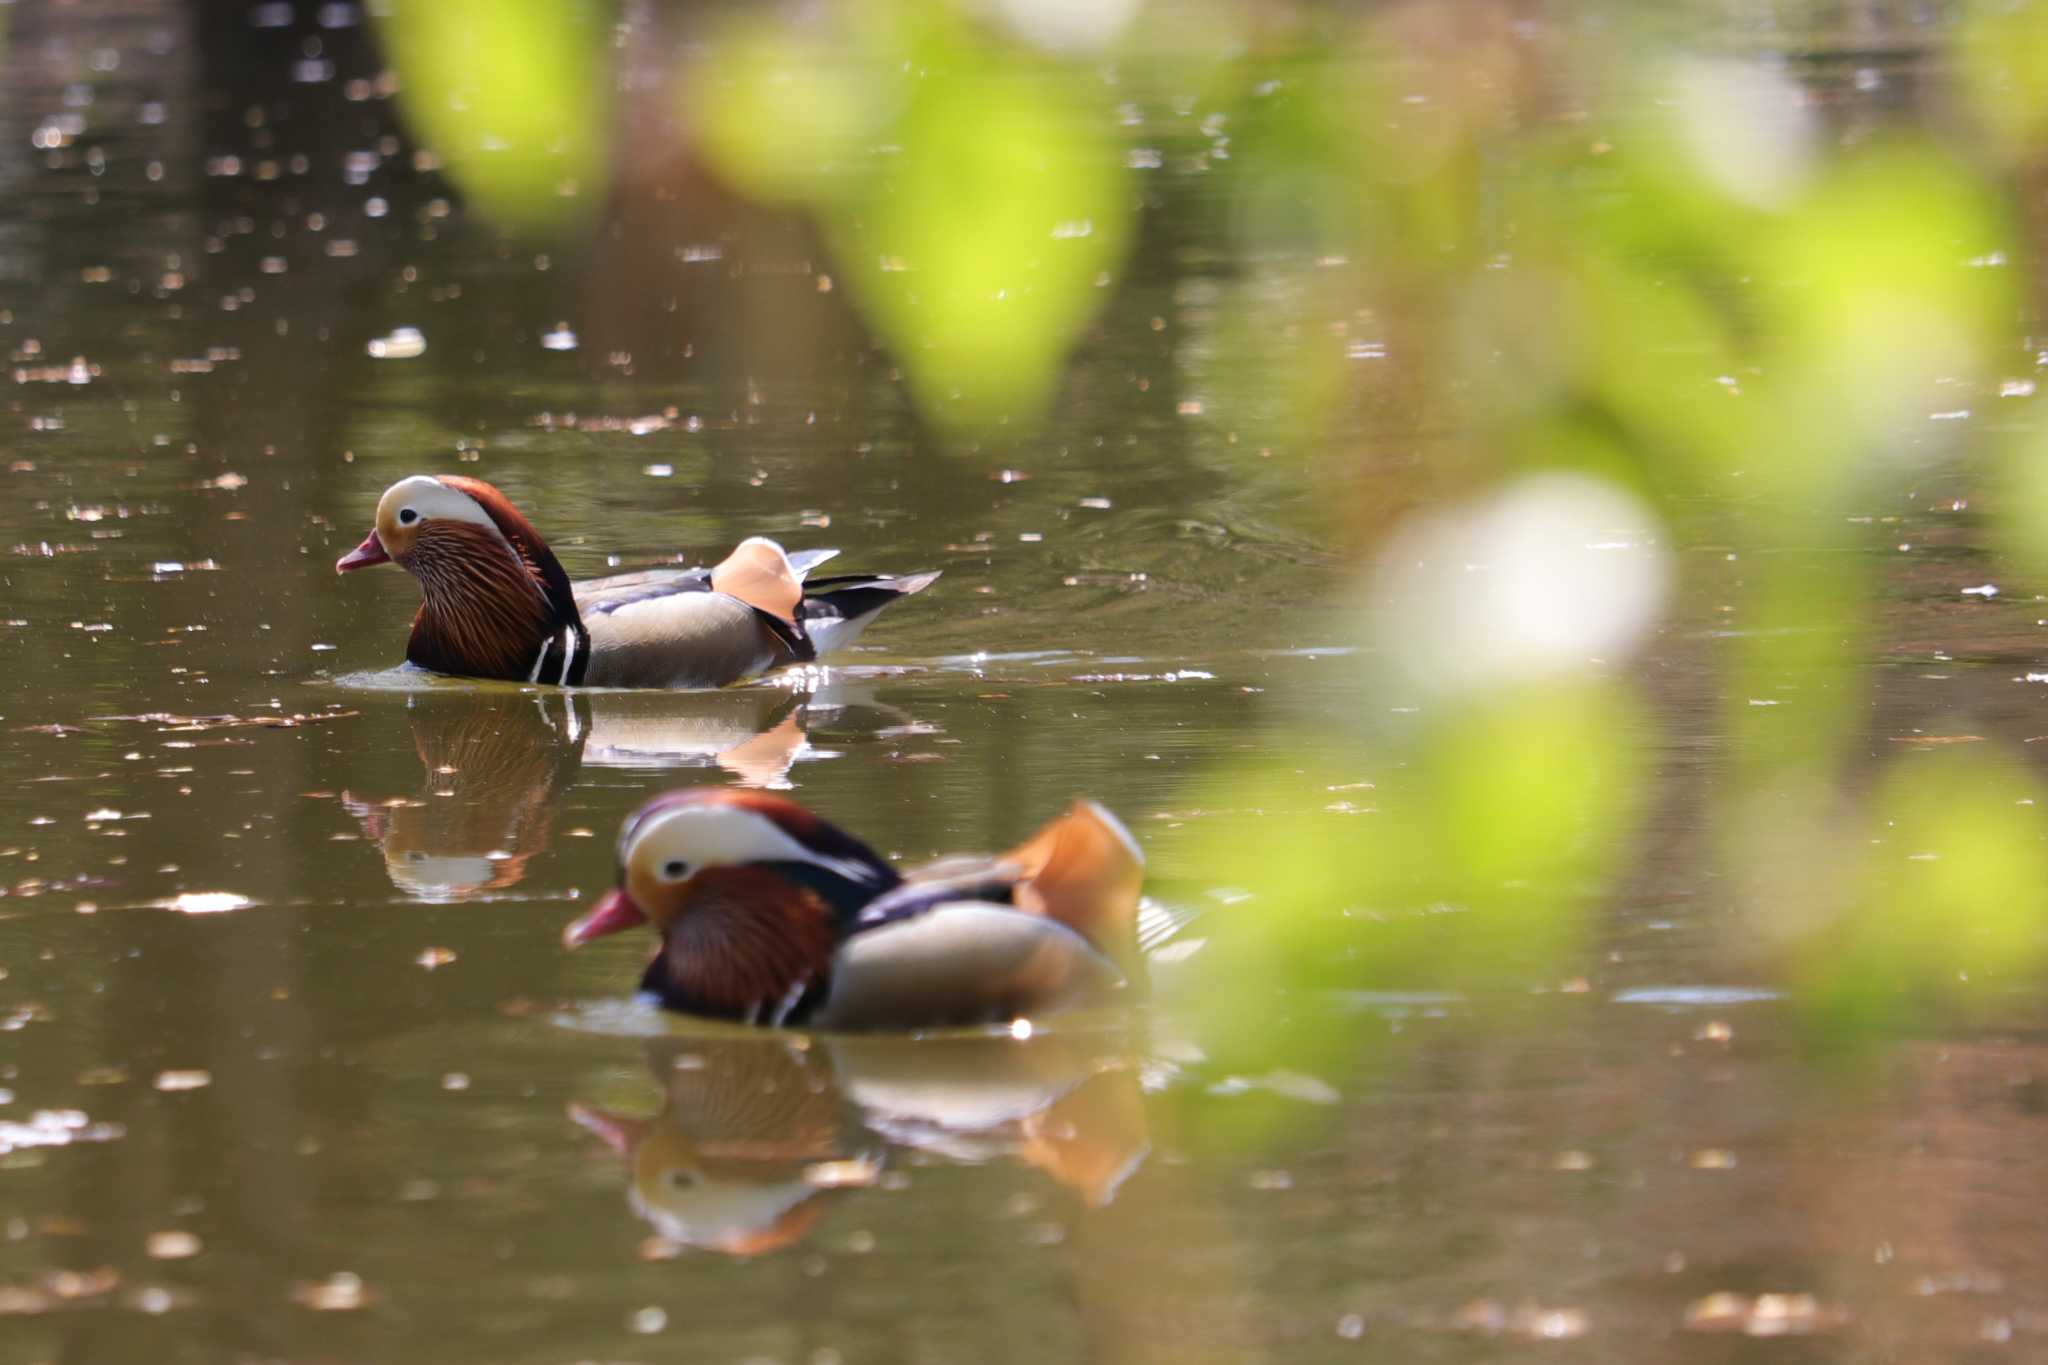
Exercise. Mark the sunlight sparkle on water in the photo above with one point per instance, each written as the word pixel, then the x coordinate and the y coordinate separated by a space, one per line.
pixel 203 902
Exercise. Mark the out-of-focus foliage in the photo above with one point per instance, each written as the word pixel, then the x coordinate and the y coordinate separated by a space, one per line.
pixel 2002 55
pixel 1592 276
pixel 513 96
pixel 1948 912
pixel 1464 867
pixel 1711 295
pixel 981 241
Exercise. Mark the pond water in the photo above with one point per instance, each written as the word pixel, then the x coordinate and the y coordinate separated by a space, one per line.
pixel 294 1068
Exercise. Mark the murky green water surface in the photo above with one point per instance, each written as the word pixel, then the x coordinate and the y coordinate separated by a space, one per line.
pixel 292 1066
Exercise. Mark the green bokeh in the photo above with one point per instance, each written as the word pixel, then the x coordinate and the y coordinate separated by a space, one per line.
pixel 513 97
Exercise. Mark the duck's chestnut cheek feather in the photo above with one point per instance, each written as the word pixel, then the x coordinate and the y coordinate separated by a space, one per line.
pixel 613 911
pixel 371 551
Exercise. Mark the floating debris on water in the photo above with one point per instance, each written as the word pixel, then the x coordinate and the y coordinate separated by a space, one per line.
pixel 156 1298
pixel 172 1245
pixel 1764 1315
pixel 1536 1323
pixel 403 344
pixel 55 1128
pixel 170 1081
pixel 341 1292
pixel 173 723
pixel 1175 675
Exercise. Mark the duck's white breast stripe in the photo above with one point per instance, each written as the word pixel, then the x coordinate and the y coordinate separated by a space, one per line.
pixel 567 640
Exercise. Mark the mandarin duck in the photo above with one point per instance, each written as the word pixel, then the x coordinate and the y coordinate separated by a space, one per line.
pixel 495 761
pixel 493 771
pixel 1067 1101
pixel 770 915
pixel 498 604
pixel 750 1137
pixel 756 1129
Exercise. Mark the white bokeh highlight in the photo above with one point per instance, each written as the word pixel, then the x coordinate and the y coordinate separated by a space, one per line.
pixel 1069 25
pixel 1750 128
pixel 1549 575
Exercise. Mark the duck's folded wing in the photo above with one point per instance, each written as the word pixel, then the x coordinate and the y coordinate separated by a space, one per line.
pixel 963 877
pixel 619 590
pixel 668 628
pixel 959 963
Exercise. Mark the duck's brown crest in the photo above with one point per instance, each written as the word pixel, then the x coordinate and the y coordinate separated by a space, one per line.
pixel 513 525
pixel 510 520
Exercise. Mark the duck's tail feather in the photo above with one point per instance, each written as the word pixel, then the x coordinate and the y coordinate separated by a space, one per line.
pixel 803 561
pixel 1161 925
pixel 834 611
pixel 1084 870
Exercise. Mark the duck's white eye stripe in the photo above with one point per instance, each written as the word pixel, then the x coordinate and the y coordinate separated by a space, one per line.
pixel 724 836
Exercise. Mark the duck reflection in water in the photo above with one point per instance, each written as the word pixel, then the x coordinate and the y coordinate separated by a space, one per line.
pixel 758 1133
pixel 495 762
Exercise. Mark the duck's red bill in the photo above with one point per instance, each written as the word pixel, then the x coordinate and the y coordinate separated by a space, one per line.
pixel 614 911
pixel 371 551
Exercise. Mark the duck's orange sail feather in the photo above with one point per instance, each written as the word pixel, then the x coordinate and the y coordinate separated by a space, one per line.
pixel 758 573
pixel 1084 870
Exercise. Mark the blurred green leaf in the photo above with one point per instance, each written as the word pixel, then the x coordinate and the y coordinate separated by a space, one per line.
pixel 1794 685
pixel 2002 68
pixel 1951 907
pixel 792 115
pixel 1475 873
pixel 2019 492
pixel 981 250
pixel 1868 308
pixel 513 96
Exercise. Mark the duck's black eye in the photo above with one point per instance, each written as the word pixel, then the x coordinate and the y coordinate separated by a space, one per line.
pixel 674 869
pixel 407 516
